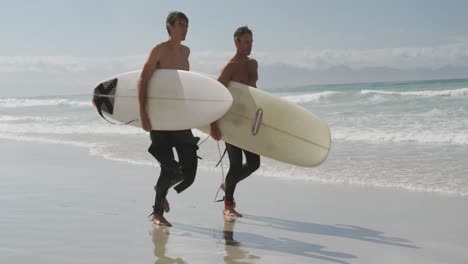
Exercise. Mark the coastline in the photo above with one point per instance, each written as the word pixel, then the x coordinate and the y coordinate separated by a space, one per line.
pixel 60 204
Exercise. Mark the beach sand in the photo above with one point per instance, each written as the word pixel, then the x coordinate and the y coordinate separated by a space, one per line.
pixel 59 204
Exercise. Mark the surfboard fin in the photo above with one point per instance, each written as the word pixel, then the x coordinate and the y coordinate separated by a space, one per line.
pixel 257 121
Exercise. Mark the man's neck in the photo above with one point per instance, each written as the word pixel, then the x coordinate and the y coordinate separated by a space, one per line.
pixel 175 43
pixel 240 57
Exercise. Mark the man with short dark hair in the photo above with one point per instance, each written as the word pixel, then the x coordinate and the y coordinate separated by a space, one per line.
pixel 242 69
pixel 170 54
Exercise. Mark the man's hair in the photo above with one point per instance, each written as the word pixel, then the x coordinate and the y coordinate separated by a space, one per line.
pixel 173 16
pixel 241 32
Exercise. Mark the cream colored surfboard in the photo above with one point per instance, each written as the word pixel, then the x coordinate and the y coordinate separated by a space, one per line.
pixel 273 127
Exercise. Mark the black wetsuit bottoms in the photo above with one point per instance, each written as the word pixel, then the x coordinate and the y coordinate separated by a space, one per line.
pixel 237 170
pixel 173 172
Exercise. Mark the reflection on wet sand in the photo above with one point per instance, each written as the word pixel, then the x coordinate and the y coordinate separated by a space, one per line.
pixel 234 251
pixel 160 238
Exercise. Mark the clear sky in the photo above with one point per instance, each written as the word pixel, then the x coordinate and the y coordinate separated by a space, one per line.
pixel 47 36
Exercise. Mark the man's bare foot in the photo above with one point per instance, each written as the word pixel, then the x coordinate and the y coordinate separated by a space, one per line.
pixel 165 204
pixel 229 218
pixel 230 211
pixel 159 220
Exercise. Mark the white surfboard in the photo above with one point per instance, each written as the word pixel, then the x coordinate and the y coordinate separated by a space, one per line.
pixel 274 127
pixel 176 99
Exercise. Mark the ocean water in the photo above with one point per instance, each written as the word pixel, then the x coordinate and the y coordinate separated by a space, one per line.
pixel 409 135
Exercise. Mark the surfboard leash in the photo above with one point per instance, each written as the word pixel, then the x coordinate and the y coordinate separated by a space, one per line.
pixel 122 124
pixel 99 101
pixel 222 172
pixel 221 156
pixel 203 141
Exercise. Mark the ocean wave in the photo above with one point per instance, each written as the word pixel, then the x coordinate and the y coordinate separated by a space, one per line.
pixel 25 119
pixel 434 113
pixel 423 137
pixel 38 139
pixel 68 129
pixel 19 103
pixel 270 168
pixel 455 93
pixel 349 177
pixel 95 149
pixel 314 97
pixel 377 99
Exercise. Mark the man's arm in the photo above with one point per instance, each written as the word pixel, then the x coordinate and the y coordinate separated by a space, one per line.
pixel 224 78
pixel 225 75
pixel 145 76
pixel 253 73
pixel 187 53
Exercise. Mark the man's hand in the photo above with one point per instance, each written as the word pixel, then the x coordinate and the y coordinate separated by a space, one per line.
pixel 145 122
pixel 214 131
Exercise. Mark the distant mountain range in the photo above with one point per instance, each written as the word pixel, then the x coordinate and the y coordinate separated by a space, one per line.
pixel 80 77
pixel 280 75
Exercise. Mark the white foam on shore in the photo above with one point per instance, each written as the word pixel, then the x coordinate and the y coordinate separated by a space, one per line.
pixel 9 118
pixel 62 128
pixel 455 92
pixel 269 168
pixel 19 103
pixel 402 136
pixel 95 149
pixel 37 139
pixel 313 97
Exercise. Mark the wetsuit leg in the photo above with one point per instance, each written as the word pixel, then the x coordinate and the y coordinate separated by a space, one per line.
pixel 238 171
pixel 171 174
pixel 252 164
pixel 235 166
pixel 186 148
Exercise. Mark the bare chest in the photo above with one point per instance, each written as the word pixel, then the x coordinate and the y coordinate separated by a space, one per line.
pixel 241 74
pixel 174 60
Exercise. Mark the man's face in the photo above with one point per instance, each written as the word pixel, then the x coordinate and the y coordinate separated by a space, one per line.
pixel 244 44
pixel 179 30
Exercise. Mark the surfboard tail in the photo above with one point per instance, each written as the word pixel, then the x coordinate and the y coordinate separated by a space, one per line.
pixel 104 96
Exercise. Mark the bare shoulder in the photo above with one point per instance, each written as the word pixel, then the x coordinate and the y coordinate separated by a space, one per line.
pixel 160 46
pixel 158 49
pixel 230 68
pixel 230 65
pixel 253 63
pixel 154 56
pixel 185 49
pixel 227 72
